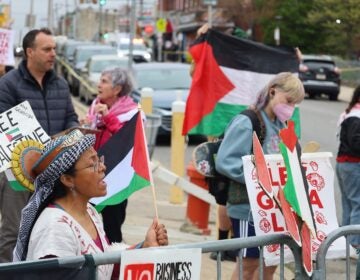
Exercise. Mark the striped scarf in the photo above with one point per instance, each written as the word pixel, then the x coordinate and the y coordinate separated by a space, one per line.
pixel 44 184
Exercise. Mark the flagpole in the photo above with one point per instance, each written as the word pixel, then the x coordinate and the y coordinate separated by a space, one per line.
pixel 148 164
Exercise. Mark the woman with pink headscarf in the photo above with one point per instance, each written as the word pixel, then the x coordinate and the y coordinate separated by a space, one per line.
pixel 108 113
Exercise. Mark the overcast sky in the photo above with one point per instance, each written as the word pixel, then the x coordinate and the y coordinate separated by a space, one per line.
pixel 20 8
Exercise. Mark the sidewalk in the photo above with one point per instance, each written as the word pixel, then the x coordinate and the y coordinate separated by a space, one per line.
pixel 346 93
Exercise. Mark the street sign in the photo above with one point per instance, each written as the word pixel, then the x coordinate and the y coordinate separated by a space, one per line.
pixel 210 2
pixel 161 25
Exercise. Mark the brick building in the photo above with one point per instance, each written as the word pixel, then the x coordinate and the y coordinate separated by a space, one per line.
pixel 186 16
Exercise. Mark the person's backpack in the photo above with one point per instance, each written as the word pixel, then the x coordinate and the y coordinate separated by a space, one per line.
pixel 204 157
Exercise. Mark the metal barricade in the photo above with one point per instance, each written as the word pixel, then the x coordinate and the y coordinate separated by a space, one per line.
pixel 230 244
pixel 84 267
pixel 320 272
pixel 81 268
pixel 153 122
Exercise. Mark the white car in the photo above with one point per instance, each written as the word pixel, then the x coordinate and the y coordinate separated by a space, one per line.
pixel 92 71
pixel 140 52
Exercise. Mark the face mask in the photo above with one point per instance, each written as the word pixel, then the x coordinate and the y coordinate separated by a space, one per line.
pixel 283 111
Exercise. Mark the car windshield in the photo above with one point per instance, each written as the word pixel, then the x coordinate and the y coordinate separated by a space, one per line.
pixel 137 47
pixel 98 66
pixel 163 79
pixel 69 50
pixel 85 54
pixel 319 64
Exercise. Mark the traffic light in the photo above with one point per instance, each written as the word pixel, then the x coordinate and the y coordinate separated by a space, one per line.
pixel 102 2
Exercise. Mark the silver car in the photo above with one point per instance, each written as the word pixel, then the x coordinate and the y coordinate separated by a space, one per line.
pixel 140 52
pixel 170 81
pixel 90 74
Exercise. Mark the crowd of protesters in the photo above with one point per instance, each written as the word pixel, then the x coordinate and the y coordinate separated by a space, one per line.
pixel 66 176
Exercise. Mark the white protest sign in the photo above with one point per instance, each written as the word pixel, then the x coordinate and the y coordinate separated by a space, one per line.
pixel 6 47
pixel 17 124
pixel 156 264
pixel 268 218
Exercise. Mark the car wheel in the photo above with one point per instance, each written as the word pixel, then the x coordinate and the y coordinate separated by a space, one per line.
pixel 333 96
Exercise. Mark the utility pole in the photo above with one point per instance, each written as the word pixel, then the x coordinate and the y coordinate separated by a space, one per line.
pixel 141 8
pixel 129 16
pixel 31 21
pixel 30 18
pixel 66 29
pixel 50 15
pixel 100 21
pixel 209 15
pixel 210 3
pixel 160 39
pixel 132 33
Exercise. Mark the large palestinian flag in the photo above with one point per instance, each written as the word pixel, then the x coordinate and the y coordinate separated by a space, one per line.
pixel 127 163
pixel 229 72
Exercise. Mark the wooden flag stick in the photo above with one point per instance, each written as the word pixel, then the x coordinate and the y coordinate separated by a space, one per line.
pixel 148 165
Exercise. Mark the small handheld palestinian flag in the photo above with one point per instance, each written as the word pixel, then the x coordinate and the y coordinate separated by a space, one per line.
pixel 127 163
pixel 229 72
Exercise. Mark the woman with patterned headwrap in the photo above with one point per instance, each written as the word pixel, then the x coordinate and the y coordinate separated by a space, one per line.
pixel 58 220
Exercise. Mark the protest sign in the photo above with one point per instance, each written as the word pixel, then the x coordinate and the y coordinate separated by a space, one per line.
pixel 268 218
pixel 17 124
pixel 6 47
pixel 156 264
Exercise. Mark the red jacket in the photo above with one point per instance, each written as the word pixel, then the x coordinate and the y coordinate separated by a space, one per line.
pixel 110 125
pixel 121 112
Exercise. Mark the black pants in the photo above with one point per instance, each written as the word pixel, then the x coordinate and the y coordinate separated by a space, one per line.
pixel 113 218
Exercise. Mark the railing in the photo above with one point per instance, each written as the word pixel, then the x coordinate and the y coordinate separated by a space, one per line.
pixel 320 272
pixel 71 72
pixel 83 267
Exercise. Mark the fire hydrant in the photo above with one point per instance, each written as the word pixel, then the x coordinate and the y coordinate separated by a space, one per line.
pixel 197 212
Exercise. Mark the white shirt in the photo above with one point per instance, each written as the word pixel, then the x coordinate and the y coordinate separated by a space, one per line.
pixel 58 234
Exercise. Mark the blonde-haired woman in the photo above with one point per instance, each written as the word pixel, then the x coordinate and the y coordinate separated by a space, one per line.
pixel 275 105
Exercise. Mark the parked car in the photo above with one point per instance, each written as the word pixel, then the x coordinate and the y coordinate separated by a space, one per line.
pixel 68 48
pixel 320 75
pixel 140 52
pixel 92 71
pixel 81 55
pixel 170 81
pixel 18 51
pixel 67 54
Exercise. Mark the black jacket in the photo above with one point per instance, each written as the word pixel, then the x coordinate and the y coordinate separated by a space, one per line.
pixel 350 137
pixel 51 104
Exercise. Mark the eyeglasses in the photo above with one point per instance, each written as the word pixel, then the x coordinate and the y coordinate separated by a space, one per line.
pixel 95 166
